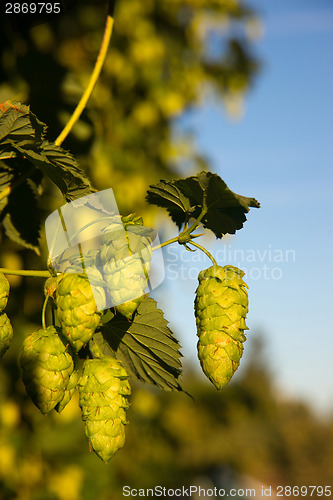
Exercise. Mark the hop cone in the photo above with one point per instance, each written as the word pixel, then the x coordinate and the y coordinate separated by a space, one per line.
pixel 95 278
pixel 4 291
pixel 125 257
pixel 104 390
pixel 6 334
pixel 72 384
pixel 46 368
pixel 221 305
pixel 76 309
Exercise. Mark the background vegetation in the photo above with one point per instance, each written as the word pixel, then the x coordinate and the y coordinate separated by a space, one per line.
pixel 164 55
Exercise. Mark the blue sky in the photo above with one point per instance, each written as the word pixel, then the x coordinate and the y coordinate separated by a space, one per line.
pixel 280 152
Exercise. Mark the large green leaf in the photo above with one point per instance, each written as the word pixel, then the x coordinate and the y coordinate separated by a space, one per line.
pixel 146 346
pixel 22 138
pixel 167 195
pixel 187 198
pixel 62 163
pixel 25 158
pixel 60 166
pixel 19 124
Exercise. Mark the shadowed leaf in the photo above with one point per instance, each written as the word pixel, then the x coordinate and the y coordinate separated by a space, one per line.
pixel 187 198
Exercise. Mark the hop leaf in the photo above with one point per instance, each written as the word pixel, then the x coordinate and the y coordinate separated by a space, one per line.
pixel 205 195
pixel 221 305
pixel 4 291
pixel 104 391
pixel 76 309
pixel 6 334
pixel 46 368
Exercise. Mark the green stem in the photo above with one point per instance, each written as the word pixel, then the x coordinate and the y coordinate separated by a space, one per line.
pixel 194 243
pixel 197 221
pixel 23 272
pixel 168 242
pixel 93 79
pixel 83 101
pixel 44 312
pixel 184 235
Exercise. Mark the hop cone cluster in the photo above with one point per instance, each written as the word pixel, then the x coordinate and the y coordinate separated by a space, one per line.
pixel 76 309
pixel 125 257
pixel 6 330
pixel 221 305
pixel 46 368
pixel 104 391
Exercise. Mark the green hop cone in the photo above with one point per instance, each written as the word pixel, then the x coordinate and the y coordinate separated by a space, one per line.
pixel 128 308
pixel 69 391
pixel 125 258
pixel 221 305
pixel 95 278
pixel 4 291
pixel 6 334
pixel 46 368
pixel 104 391
pixel 76 309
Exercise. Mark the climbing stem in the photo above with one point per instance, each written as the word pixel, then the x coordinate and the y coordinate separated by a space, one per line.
pixel 23 272
pixel 93 79
pixel 195 244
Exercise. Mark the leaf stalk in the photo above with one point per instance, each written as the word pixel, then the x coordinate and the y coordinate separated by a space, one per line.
pixel 194 243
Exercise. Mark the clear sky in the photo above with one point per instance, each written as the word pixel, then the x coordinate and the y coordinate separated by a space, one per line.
pixel 281 153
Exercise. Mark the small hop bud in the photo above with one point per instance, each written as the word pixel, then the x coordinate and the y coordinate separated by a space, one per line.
pixel 221 305
pixel 50 286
